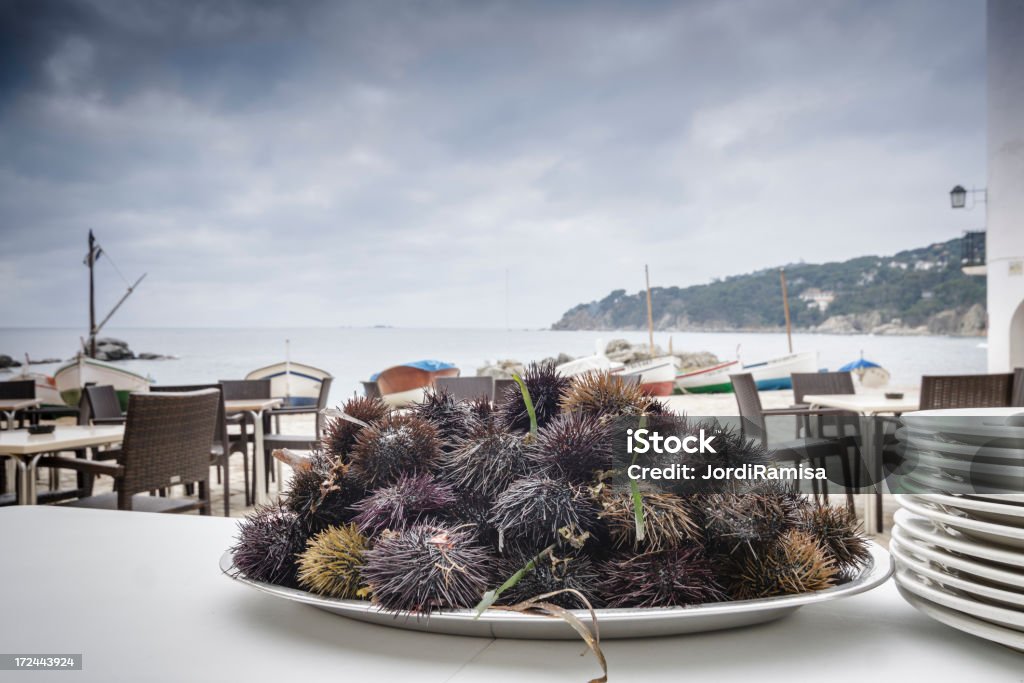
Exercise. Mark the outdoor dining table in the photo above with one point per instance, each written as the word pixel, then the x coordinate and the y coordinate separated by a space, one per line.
pixel 10 406
pixel 141 597
pixel 868 406
pixel 26 449
pixel 254 408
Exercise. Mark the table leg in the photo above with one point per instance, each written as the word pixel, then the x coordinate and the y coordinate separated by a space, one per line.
pixel 260 497
pixel 9 419
pixel 11 467
pixel 867 451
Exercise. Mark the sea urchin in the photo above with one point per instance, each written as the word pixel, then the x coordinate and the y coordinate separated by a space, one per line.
pixel 331 562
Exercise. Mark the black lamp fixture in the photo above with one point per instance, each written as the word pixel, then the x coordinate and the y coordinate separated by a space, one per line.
pixel 958 196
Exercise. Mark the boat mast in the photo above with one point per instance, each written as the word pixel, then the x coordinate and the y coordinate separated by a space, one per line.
pixel 92 297
pixel 650 312
pixel 785 307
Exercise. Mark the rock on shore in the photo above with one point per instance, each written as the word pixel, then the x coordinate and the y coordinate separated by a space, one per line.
pixel 619 350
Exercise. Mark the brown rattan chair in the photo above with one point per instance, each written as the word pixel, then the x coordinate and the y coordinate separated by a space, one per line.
pixel 220 448
pixel 99 405
pixel 371 389
pixel 501 386
pixel 467 388
pixel 166 443
pixel 812 383
pixel 966 391
pixel 754 426
pixel 1017 400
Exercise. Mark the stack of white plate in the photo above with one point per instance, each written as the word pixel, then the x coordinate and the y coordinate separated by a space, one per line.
pixel 960 554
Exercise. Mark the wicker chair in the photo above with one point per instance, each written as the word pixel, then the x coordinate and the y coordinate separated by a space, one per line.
pixel 220 448
pixel 238 390
pixel 371 389
pixel 99 406
pixel 754 426
pixel 166 442
pixel 966 391
pixel 1017 400
pixel 300 442
pixel 501 386
pixel 811 383
pixel 467 388
pixel 18 389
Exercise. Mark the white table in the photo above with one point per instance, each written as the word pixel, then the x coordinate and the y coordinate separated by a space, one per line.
pixel 868 406
pixel 26 449
pixel 255 408
pixel 10 406
pixel 141 597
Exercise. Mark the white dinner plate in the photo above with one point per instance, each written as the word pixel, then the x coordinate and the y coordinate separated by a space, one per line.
pixel 612 623
pixel 979 434
pixel 929 532
pixel 1009 618
pixel 988 511
pixel 1004 498
pixel 906 559
pixel 933 482
pixel 976 528
pixel 982 474
pixel 1013 580
pixel 964 622
pixel 929 441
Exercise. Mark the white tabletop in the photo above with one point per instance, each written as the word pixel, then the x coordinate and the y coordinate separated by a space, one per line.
pixel 865 404
pixel 63 438
pixel 18 403
pixel 251 404
pixel 140 596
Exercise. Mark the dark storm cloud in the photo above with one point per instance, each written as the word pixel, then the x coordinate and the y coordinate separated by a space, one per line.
pixel 356 163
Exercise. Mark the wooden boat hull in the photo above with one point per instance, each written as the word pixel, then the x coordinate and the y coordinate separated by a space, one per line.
pixel 581 366
pixel 713 379
pixel 775 374
pixel 298 384
pixel 72 377
pixel 657 376
pixel 403 385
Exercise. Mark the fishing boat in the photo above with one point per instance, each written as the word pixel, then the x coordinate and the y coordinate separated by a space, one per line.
pixel 297 383
pixel 403 385
pixel 713 379
pixel 70 379
pixel 596 363
pixel 775 374
pixel 657 375
pixel 869 375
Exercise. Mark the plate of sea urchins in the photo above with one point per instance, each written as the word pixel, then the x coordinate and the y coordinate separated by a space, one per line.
pixel 510 520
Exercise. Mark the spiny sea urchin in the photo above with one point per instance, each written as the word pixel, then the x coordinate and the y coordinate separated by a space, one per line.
pixel 339 434
pixel 545 386
pixel 332 560
pixel 312 496
pixel 486 461
pixel 427 567
pixel 573 446
pixel 530 512
pixel 668 521
pixel 405 502
pixel 837 531
pixel 398 444
pixel 449 416
pixel 665 578
pixel 551 573
pixel 795 563
pixel 601 393
pixel 268 542
pixel 734 520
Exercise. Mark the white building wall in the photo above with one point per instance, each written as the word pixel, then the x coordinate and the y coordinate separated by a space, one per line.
pixel 1005 215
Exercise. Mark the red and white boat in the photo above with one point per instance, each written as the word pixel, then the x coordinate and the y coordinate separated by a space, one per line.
pixel 657 375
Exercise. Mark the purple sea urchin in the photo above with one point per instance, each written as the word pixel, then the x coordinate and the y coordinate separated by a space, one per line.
pixel 668 521
pixel 331 563
pixel 665 578
pixel 733 520
pixel 573 446
pixel 545 386
pixel 795 563
pixel 451 418
pixel 486 461
pixel 837 531
pixel 322 494
pixel 398 444
pixel 339 434
pixel 530 512
pixel 601 393
pixel 552 573
pixel 427 567
pixel 268 542
pixel 405 502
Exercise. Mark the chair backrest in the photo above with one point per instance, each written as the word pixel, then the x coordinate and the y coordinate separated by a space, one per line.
pixel 501 386
pixel 966 391
pixel 101 403
pixel 19 388
pixel 371 389
pixel 242 389
pixel 467 388
pixel 631 380
pixel 321 403
pixel 749 403
pixel 166 440
pixel 220 428
pixel 810 383
pixel 1017 400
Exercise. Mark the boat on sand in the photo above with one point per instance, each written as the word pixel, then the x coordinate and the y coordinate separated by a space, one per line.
pixel 713 379
pixel 72 377
pixel 298 384
pixel 403 385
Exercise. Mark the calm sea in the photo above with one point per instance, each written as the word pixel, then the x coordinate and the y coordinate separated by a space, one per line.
pixel 352 354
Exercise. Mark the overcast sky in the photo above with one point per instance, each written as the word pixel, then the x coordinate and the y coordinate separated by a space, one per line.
pixel 363 163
